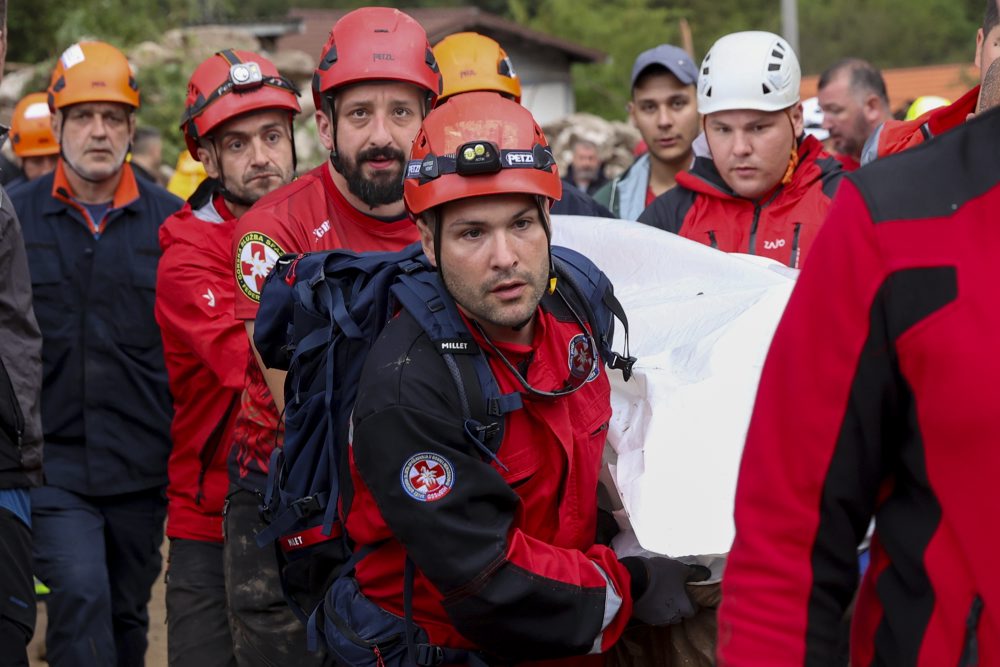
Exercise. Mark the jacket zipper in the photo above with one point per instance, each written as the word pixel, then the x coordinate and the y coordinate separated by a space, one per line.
pixel 794 261
pixel 757 209
pixel 207 452
pixel 712 240
pixel 970 652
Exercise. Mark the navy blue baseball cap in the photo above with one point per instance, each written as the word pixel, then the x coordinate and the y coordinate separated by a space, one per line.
pixel 674 58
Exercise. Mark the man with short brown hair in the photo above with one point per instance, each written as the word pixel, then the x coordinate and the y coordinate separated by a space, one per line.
pixel 854 101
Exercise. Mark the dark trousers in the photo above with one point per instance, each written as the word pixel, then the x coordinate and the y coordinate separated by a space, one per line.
pixel 197 620
pixel 265 631
pixel 100 556
pixel 17 591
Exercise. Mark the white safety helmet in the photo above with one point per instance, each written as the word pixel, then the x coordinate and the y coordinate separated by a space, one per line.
pixel 812 117
pixel 749 70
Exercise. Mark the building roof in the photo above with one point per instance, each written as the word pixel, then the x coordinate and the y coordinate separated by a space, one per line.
pixel 439 23
pixel 908 83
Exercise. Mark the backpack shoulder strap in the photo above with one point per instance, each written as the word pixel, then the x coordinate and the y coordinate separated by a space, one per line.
pixel 590 289
pixel 484 407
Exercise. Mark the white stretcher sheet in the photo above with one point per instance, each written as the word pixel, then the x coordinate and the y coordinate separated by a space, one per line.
pixel 700 323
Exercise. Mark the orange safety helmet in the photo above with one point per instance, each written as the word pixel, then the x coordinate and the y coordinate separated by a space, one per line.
pixel 376 44
pixel 31 127
pixel 92 72
pixel 478 144
pixel 230 84
pixel 470 61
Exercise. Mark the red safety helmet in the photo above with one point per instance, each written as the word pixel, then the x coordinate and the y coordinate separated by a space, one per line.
pixel 376 44
pixel 479 143
pixel 92 72
pixel 31 127
pixel 230 84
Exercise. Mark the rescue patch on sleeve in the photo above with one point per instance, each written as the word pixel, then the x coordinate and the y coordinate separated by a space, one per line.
pixel 427 477
pixel 256 255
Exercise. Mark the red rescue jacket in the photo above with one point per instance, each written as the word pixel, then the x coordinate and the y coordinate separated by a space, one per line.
pixel 781 225
pixel 206 353
pixel 878 399
pixel 898 135
pixel 505 554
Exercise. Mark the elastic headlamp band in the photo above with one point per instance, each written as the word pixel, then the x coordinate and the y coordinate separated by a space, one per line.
pixel 274 81
pixel 479 157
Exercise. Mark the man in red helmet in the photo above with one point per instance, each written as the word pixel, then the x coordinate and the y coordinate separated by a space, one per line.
pixel 238 123
pixel 376 80
pixel 503 553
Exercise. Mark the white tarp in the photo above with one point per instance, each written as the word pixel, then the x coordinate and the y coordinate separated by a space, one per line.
pixel 700 324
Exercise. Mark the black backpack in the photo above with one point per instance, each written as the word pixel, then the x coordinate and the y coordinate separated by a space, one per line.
pixel 320 314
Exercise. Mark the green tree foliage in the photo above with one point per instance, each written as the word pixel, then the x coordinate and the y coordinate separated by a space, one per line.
pixel 890 33
pixel 41 29
pixel 622 30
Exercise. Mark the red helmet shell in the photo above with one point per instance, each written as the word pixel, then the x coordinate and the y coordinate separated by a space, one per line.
pixel 480 117
pixel 216 93
pixel 376 44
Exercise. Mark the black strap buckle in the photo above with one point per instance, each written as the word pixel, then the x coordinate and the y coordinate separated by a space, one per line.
pixel 304 507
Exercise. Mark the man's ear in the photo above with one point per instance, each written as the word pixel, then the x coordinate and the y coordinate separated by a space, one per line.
pixel 798 124
pixel 427 238
pixel 872 108
pixel 980 38
pixel 208 161
pixel 324 127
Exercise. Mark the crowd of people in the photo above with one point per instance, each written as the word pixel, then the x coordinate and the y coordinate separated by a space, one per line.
pixel 133 395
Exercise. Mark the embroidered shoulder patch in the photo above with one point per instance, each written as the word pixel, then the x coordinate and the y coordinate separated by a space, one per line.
pixel 427 477
pixel 581 357
pixel 256 255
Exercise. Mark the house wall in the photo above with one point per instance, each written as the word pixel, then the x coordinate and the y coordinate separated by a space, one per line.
pixel 546 82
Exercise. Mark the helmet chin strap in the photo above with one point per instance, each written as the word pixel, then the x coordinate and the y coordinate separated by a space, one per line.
pixel 543 213
pixel 222 189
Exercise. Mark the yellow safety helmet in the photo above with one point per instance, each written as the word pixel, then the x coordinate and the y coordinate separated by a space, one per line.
pixel 470 61
pixel 188 175
pixel 922 105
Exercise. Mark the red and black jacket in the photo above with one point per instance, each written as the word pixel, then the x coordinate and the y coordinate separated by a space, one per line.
pixel 895 136
pixel 781 225
pixel 879 400
pixel 505 551
pixel 206 351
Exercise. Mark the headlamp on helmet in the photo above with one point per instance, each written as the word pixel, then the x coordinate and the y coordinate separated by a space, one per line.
pixel 245 76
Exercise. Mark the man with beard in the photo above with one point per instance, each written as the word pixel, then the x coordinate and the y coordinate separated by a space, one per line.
pixel 90 230
pixel 855 103
pixel 375 82
pixel 238 123
pixel 586 171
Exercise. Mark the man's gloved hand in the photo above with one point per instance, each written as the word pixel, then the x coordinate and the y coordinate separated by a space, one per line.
pixel 659 596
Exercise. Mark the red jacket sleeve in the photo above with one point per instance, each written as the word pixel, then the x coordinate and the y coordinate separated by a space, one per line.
pixel 809 475
pixel 259 240
pixel 194 302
